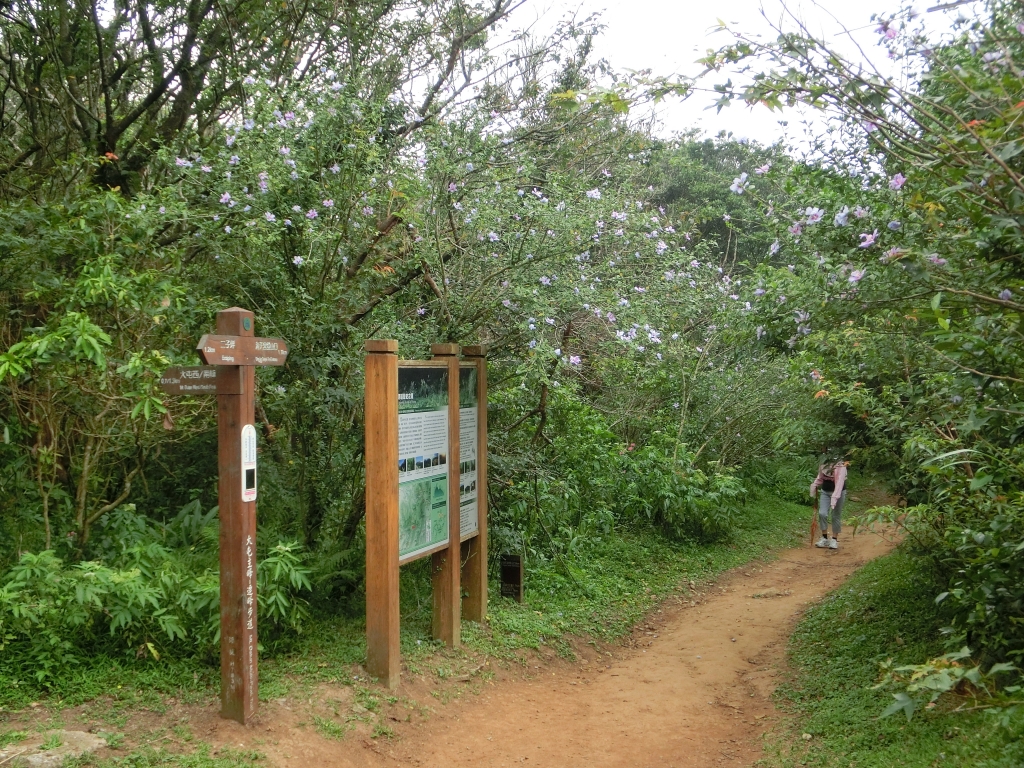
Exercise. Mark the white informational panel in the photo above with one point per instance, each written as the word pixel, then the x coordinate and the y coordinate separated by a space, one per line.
pixel 469 510
pixel 248 463
pixel 422 460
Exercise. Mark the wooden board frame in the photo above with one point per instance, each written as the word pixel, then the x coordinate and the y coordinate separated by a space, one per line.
pixel 383 657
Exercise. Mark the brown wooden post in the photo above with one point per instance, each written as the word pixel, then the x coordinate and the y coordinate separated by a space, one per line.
pixel 235 409
pixel 474 570
pixel 383 658
pixel 447 615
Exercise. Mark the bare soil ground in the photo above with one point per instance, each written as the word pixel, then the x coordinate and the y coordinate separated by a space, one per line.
pixel 692 688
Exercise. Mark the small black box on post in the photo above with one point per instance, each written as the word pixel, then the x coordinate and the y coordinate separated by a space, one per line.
pixel 512 577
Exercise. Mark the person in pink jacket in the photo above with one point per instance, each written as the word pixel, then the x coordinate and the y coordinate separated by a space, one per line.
pixel 830 488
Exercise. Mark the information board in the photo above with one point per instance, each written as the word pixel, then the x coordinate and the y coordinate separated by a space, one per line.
pixel 469 515
pixel 422 460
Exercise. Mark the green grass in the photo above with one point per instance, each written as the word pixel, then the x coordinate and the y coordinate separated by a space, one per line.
pixel 127 683
pixel 600 592
pixel 53 741
pixel 885 611
pixel 12 737
pixel 153 758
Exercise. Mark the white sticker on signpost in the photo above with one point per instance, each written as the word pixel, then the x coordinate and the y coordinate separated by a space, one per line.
pixel 248 463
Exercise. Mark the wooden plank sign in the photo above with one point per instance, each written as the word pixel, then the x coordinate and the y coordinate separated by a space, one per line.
pixel 231 356
pixel 420 490
pixel 190 380
pixel 241 350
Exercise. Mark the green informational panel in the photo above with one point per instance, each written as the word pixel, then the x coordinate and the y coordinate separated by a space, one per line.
pixel 422 460
pixel 469 515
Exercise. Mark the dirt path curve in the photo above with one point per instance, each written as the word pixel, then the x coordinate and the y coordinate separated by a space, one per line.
pixel 694 690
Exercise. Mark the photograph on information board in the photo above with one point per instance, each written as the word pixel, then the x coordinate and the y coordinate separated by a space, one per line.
pixel 468 514
pixel 422 460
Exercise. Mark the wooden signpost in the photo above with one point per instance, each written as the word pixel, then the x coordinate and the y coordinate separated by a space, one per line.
pixel 416 492
pixel 231 356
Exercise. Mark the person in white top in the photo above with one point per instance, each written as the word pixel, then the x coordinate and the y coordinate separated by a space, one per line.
pixel 830 488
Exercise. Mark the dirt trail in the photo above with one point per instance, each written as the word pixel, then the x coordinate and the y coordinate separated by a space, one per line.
pixel 692 690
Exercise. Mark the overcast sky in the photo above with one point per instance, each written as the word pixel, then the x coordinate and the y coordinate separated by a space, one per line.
pixel 667 36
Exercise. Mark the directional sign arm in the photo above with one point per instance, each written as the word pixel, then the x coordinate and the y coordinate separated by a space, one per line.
pixel 241 350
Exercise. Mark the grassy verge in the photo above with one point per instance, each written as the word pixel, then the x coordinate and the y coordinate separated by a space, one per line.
pixel 885 611
pixel 598 594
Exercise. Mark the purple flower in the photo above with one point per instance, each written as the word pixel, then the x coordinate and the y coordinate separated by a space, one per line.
pixel 367 210
pixel 739 184
pixel 760 332
pixel 284 151
pixel 814 215
pixel 549 320
pixel 311 213
pixel 774 248
pixel 226 197
pixel 1006 294
pixel 842 216
pixel 857 275
pixel 233 160
pixel 869 126
pixel 867 240
pixel 335 168
pixel 796 229
pixel 269 216
pixel 545 280
pixel 206 169
pixel 452 187
pixel 594 194
pixel 894 225
pixel 897 181
pixel 421 311
pixel 469 166
pixel 574 360
pixel 759 292
pixel 661 247
pixel 935 259
pixel 610 317
pixel 329 203
pixel 860 213
pixel 297 261
pixel 493 237
pixel 762 170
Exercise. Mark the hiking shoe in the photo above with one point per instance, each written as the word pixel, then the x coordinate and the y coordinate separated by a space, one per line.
pixel 822 543
pixel 833 543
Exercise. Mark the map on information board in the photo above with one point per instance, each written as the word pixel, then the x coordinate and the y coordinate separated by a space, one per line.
pixel 469 516
pixel 422 460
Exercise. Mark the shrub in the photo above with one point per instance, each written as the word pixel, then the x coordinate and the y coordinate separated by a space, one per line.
pixel 54 615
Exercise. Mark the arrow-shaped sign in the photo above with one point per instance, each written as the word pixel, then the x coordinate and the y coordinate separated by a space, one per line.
pixel 191 380
pixel 242 350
